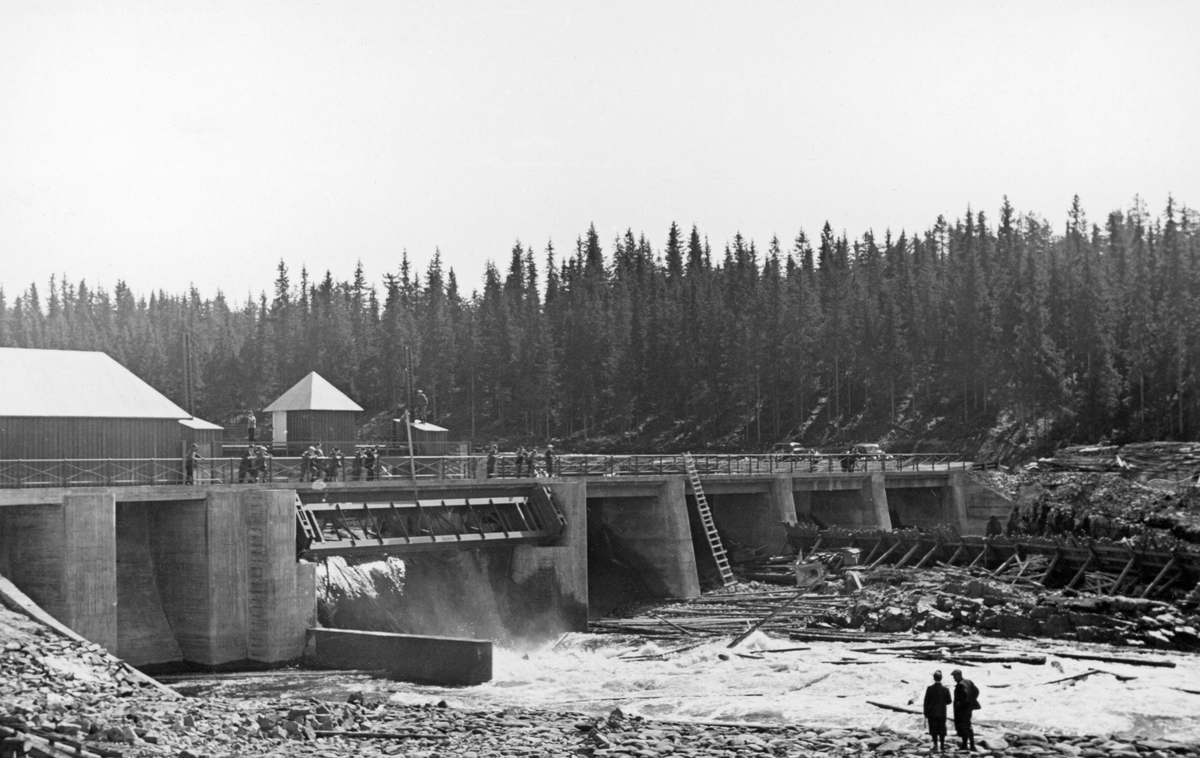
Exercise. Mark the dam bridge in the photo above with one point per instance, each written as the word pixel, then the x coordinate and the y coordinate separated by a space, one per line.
pixel 221 574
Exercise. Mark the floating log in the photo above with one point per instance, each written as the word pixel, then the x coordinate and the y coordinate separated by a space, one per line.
pixel 1117 659
pixel 895 708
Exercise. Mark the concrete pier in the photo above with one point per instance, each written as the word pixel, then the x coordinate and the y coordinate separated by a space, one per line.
pixel 64 557
pixel 646 529
pixel 211 581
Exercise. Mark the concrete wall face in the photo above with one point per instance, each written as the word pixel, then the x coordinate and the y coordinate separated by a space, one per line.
pixel 975 504
pixel 652 536
pixel 64 558
pixel 842 508
pixel 144 635
pixel 924 507
pixel 228 577
pixel 556 577
pixel 755 520
pixel 200 551
pixel 281 593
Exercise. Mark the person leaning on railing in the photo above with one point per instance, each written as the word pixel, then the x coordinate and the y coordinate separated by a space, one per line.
pixel 190 462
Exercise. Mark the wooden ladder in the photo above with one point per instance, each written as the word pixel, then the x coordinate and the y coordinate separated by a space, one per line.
pixel 307 525
pixel 710 528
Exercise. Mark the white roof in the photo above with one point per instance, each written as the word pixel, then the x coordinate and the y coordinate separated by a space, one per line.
pixel 313 393
pixel 76 384
pixel 199 425
pixel 424 426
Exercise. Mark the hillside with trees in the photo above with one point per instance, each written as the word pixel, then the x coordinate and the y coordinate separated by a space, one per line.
pixel 995 339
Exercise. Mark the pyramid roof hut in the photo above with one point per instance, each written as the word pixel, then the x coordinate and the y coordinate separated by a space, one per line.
pixel 313 411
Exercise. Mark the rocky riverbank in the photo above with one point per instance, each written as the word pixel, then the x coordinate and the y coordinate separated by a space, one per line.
pixel 63 697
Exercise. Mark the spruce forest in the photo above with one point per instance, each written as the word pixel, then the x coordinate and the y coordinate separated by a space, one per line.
pixel 987 338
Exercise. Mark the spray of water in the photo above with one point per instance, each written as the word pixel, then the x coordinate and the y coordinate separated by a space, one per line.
pixel 477 594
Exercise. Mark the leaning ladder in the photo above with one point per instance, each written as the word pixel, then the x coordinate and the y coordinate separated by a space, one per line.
pixel 710 528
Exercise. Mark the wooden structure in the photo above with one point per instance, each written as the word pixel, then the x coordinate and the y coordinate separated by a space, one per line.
pixel 68 404
pixel 206 436
pixel 312 411
pixel 1099 566
pixel 428 439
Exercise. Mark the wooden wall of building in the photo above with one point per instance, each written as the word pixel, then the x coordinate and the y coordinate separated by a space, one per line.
pixel 29 438
pixel 329 427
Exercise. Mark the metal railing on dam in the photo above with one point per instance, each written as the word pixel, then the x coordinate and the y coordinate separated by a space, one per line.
pixel 112 472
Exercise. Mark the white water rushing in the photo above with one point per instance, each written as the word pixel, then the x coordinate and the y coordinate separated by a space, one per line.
pixel 827 685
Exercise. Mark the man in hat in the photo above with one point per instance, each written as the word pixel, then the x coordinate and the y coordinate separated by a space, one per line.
pixel 937 697
pixel 966 701
pixel 491 462
pixel 261 456
pixel 306 460
pixel 549 460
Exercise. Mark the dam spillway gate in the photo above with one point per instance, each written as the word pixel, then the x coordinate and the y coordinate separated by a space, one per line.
pixel 398 527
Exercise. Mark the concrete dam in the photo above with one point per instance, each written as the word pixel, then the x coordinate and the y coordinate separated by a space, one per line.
pixel 209 576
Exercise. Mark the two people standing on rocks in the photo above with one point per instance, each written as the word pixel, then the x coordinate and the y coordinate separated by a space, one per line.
pixel 965 702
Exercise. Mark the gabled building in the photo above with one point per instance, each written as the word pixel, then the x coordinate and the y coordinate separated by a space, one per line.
pixel 72 404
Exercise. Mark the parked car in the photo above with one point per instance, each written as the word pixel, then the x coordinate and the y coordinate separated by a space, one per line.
pixel 793 451
pixel 871 452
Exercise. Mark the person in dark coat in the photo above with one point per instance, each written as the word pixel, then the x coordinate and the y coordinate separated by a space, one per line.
pixel 966 701
pixel 357 470
pixel 993 527
pixel 491 462
pixel 369 463
pixel 251 426
pixel 190 462
pixel 334 465
pixel 422 404
pixel 549 460
pixel 520 461
pixel 937 697
pixel 246 466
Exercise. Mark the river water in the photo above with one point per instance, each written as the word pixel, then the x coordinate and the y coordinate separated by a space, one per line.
pixel 825 685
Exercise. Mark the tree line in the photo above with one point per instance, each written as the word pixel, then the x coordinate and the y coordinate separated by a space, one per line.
pixel 1080 334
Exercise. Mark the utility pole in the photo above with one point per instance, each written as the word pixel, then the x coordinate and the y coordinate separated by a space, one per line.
pixel 189 403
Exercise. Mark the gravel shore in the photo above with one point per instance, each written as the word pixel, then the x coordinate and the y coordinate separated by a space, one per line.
pixel 68 698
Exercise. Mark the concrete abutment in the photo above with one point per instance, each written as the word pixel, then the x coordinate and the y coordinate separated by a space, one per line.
pixel 211 581
pixel 64 557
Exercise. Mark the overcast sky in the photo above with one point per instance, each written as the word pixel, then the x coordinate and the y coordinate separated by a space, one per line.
pixel 169 144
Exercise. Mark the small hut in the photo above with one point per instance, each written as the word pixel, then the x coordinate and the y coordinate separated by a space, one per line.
pixel 206 436
pixel 430 439
pixel 313 411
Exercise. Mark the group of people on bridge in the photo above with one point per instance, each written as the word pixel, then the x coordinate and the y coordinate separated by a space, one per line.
pixel 525 462
pixel 316 466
